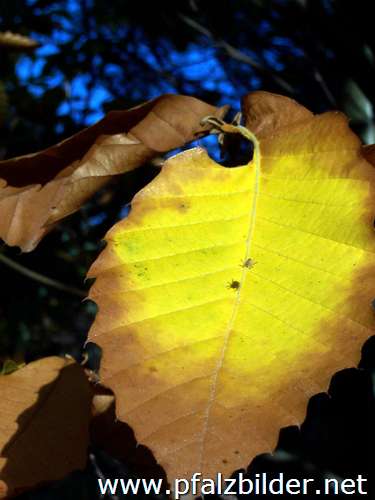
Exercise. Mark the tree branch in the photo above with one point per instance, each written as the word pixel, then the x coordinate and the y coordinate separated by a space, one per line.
pixel 40 278
pixel 235 53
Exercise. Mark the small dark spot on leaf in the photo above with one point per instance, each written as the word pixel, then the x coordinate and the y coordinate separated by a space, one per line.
pixel 183 207
pixel 235 285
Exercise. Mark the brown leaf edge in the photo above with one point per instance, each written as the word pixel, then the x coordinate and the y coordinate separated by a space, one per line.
pixel 368 152
pixel 45 411
pixel 39 189
pixel 265 113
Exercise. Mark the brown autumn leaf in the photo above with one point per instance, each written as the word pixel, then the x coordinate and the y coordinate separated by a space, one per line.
pixel 39 189
pixel 266 117
pixel 45 414
pixel 229 296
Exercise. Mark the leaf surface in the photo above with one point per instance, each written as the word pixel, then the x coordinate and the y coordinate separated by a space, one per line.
pixel 228 297
pixel 45 414
pixel 39 189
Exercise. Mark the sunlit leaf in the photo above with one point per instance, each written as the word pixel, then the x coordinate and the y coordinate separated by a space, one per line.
pixel 229 296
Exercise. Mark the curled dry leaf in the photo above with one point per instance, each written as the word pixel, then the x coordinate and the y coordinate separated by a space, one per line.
pixel 37 190
pixel 229 296
pixel 45 414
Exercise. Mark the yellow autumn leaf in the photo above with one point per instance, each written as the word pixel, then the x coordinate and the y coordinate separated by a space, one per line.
pixel 229 296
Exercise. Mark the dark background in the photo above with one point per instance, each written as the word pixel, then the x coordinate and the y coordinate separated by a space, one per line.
pixel 95 56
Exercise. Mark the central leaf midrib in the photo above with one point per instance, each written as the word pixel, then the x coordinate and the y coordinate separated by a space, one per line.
pixel 251 226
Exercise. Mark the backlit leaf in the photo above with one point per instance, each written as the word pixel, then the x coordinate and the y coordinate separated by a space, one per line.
pixel 229 296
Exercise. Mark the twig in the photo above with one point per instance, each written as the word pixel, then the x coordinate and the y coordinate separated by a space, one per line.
pixel 235 53
pixel 41 278
pixel 323 84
